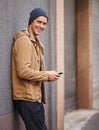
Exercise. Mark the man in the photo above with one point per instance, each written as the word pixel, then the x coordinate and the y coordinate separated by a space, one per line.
pixel 28 72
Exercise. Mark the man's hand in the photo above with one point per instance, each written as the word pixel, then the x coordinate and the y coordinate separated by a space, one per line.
pixel 53 76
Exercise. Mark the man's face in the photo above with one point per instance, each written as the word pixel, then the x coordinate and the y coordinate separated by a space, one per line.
pixel 38 25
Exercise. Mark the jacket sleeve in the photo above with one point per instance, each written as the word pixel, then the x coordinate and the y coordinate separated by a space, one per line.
pixel 23 52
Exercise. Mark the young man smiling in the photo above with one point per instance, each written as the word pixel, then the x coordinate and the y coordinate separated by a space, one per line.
pixel 28 72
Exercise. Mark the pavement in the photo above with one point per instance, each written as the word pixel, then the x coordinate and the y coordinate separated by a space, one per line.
pixel 82 119
pixel 93 123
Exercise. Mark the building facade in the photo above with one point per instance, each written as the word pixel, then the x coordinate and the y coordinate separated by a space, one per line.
pixel 71 45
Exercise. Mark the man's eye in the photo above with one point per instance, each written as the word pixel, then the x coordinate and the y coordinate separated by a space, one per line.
pixel 39 22
pixel 44 24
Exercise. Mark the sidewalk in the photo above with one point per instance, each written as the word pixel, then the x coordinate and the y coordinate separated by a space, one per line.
pixel 78 119
pixel 93 123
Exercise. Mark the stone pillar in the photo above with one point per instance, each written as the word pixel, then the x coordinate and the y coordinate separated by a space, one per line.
pixel 84 53
pixel 60 62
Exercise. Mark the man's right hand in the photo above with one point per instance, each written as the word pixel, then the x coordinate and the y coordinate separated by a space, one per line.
pixel 53 76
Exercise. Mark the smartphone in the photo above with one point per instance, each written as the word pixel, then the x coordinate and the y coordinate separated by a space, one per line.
pixel 60 73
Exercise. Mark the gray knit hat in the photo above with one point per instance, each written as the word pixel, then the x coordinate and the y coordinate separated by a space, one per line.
pixel 36 13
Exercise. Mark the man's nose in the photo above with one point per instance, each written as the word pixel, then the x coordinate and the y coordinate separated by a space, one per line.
pixel 42 26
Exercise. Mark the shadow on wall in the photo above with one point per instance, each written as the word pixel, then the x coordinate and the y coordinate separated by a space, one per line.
pixel 18 123
pixel 11 121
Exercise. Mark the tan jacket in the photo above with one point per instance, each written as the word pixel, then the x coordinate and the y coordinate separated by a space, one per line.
pixel 28 69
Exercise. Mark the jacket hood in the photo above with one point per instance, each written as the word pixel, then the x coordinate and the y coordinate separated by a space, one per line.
pixel 26 33
pixel 20 34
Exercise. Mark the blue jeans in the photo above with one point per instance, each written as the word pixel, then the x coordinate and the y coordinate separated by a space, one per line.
pixel 32 114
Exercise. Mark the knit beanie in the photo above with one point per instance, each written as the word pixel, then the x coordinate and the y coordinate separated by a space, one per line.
pixel 36 13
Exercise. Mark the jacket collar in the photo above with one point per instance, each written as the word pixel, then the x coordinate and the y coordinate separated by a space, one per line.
pixel 36 39
pixel 31 36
